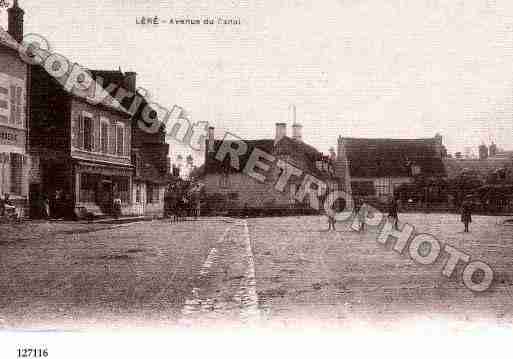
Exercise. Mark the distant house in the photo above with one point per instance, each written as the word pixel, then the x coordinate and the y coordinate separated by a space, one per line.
pixel 375 167
pixel 481 169
pixel 242 191
pixel 149 152
pixel 14 114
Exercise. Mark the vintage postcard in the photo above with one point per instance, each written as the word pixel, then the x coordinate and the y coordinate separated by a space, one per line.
pixel 224 178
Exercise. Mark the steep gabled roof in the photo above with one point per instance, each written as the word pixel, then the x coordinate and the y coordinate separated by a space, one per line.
pixel 212 165
pixel 384 157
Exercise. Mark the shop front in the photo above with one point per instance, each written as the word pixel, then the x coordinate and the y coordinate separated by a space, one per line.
pixel 14 168
pixel 97 187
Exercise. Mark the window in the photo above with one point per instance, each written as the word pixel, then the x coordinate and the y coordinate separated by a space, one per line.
pixel 88 185
pixel 16 173
pixel 224 181
pixel 104 136
pixel 152 193
pixel 382 187
pixel 292 193
pixel 13 104
pixel 19 108
pixel 11 100
pixel 363 188
pixel 138 194
pixel 120 137
pixel 122 188
pixel 88 133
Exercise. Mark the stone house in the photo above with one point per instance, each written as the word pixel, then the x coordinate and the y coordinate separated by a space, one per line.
pixel 79 148
pixel 149 152
pixel 14 114
pixel 375 167
pixel 243 191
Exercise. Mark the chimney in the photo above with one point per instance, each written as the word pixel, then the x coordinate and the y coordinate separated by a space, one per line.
pixel 333 154
pixel 281 131
pixel 15 21
pixel 130 82
pixel 297 132
pixel 297 129
pixel 211 139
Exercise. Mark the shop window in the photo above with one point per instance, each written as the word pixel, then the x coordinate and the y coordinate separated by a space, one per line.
pixel 120 136
pixel 16 173
pixel 88 133
pixel 123 189
pixel 152 193
pixel 88 183
pixel 104 136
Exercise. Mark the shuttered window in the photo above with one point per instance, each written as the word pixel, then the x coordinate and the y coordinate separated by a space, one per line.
pixel 104 136
pixel 19 108
pixel 88 133
pixel 12 117
pixel 120 138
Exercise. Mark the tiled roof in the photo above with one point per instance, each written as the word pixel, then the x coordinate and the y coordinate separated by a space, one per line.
pixel 379 157
pixel 301 153
pixel 482 168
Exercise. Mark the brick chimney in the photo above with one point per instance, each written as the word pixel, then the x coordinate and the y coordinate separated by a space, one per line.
pixel 130 81
pixel 281 131
pixel 15 21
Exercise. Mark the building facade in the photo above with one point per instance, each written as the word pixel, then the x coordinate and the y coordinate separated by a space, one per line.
pixel 377 167
pixel 81 151
pixel 241 191
pixel 149 150
pixel 14 115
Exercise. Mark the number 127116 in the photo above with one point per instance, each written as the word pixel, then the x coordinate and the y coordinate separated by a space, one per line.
pixel 32 353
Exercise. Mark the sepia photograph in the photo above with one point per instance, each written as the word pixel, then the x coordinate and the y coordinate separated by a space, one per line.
pixel 196 178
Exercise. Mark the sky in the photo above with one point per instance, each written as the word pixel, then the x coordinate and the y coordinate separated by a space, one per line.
pixel 360 68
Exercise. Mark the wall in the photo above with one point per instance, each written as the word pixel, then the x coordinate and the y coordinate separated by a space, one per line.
pixel 249 191
pixel 387 183
pixel 77 142
pixel 13 125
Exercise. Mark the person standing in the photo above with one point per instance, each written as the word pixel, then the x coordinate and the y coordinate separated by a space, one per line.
pixel 331 222
pixel 393 212
pixel 359 213
pixel 466 212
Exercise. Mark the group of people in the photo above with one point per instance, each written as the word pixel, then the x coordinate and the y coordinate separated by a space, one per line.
pixel 393 214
